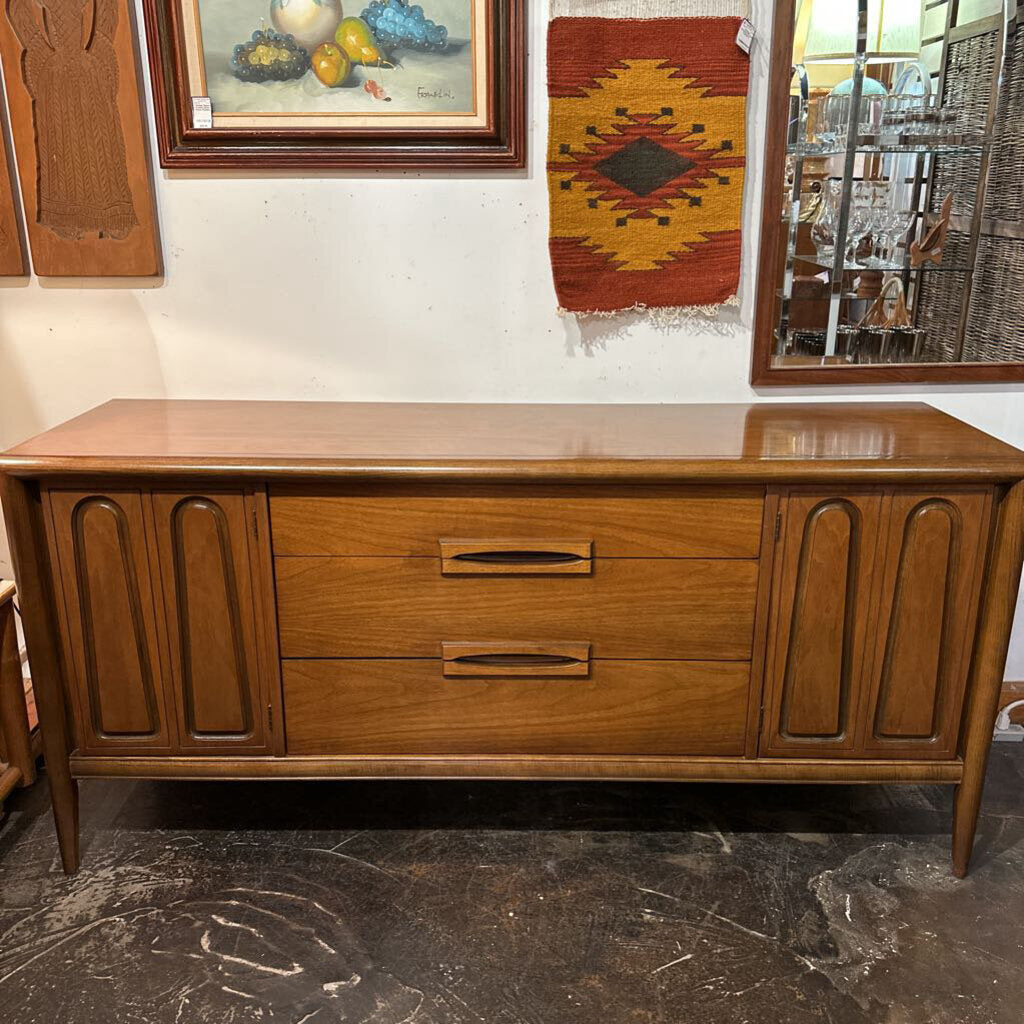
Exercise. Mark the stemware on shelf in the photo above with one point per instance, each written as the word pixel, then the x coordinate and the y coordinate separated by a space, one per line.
pixel 858 222
pixel 823 230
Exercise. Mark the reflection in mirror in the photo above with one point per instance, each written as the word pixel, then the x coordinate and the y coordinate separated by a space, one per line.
pixel 893 232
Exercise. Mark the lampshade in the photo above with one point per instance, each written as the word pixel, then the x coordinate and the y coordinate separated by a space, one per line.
pixel 894 31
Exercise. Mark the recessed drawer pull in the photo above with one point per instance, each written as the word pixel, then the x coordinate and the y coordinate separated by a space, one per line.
pixel 518 557
pixel 514 658
pixel 515 557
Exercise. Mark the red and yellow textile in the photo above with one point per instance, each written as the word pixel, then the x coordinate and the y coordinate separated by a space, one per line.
pixel 645 161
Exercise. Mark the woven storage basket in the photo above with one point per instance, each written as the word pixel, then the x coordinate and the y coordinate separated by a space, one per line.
pixel 940 295
pixel 995 325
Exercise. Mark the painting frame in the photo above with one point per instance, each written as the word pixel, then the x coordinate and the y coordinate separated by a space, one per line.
pixel 498 144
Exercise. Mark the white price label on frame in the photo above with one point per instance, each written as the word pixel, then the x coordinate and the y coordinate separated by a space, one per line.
pixel 202 112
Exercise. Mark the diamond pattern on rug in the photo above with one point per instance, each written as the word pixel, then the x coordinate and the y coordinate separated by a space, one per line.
pixel 643 166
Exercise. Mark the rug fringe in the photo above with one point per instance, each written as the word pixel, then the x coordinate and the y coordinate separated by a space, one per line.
pixel 666 316
pixel 650 9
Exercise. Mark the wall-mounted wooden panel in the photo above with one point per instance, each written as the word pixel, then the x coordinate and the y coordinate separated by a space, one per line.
pixel 933 562
pixel 206 577
pixel 72 89
pixel 821 604
pixel 12 253
pixel 110 634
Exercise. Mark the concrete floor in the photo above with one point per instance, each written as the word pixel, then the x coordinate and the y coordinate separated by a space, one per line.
pixel 514 903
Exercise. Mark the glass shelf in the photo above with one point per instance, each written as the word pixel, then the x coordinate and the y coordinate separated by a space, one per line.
pixel 935 145
pixel 895 268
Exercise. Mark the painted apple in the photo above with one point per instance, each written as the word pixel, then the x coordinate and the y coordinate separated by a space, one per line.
pixel 311 22
pixel 330 64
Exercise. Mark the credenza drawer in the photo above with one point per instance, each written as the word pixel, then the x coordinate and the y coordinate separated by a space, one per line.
pixel 653 522
pixel 410 707
pixel 365 607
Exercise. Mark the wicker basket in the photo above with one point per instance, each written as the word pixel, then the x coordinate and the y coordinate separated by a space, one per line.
pixel 995 325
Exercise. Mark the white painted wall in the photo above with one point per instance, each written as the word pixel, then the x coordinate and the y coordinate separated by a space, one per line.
pixel 394 287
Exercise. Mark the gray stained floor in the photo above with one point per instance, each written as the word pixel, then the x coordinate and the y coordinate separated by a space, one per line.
pixel 514 903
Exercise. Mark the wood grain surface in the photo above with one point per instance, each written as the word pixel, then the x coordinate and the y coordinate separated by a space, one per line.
pixel 622 707
pixel 668 522
pixel 340 607
pixel 518 766
pixel 522 444
pixel 76 115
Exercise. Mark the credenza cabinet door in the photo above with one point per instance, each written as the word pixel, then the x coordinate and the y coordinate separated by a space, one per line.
pixel 206 560
pixel 821 603
pixel 108 620
pixel 932 568
pixel 874 610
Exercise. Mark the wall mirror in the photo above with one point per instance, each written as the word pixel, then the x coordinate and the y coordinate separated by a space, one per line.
pixel 892 236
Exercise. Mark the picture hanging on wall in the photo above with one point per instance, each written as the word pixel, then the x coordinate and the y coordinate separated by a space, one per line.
pixel 361 84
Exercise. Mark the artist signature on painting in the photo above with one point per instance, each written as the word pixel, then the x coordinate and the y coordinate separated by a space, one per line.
pixel 440 93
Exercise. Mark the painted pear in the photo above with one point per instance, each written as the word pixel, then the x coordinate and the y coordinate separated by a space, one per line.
pixel 356 39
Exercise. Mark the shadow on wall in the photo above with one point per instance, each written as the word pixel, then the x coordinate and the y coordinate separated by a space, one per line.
pixel 56 370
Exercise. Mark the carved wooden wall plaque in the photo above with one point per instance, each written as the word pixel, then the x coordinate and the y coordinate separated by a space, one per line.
pixel 72 88
pixel 12 256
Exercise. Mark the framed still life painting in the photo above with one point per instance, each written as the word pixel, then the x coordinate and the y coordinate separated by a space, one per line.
pixel 362 84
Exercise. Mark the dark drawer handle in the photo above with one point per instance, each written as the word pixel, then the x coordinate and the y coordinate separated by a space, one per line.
pixel 512 658
pixel 519 557
pixel 510 556
pixel 517 660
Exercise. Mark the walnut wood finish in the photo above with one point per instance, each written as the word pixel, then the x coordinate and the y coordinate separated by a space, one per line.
pixel 519 445
pixel 517 766
pixel 515 658
pixel 998 604
pixel 623 707
pixel 81 151
pixel 931 574
pixel 206 574
pixel 875 606
pixel 836 598
pixel 516 556
pixel 821 611
pixel 109 620
pixel 26 532
pixel 369 607
pixel 666 522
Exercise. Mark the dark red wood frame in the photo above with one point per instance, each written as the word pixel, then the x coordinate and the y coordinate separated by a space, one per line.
pixel 500 145
pixel 762 373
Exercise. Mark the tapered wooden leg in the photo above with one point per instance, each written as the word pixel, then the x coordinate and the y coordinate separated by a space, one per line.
pixel 987 667
pixel 23 517
pixel 64 793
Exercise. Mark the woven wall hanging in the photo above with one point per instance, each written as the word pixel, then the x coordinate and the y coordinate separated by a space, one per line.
pixel 646 155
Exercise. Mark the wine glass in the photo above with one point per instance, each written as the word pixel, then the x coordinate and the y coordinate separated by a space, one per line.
pixel 823 230
pixel 858 221
pixel 879 210
pixel 897 222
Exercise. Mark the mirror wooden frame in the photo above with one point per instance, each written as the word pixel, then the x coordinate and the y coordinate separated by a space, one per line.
pixel 762 373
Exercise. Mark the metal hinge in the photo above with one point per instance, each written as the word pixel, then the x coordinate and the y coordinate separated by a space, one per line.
pixel 778 524
pixel 760 721
pixel 255 523
pixel 270 717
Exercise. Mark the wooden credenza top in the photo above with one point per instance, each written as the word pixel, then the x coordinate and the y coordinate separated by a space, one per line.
pixel 405 440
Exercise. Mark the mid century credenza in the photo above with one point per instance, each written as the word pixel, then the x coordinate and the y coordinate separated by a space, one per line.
pixel 260 590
